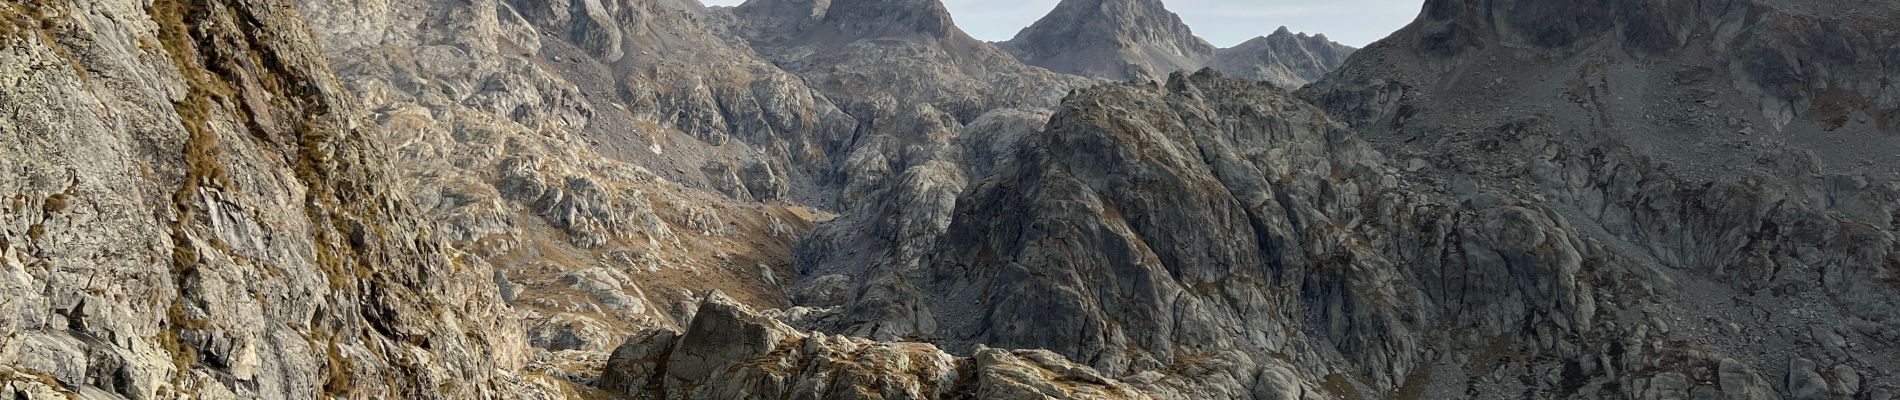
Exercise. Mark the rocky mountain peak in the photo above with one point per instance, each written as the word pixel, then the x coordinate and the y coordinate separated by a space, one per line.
pixel 1284 33
pixel 1140 37
pixel 1284 58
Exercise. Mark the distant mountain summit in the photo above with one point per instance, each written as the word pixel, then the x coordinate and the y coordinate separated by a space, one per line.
pixel 1284 58
pixel 777 21
pixel 1140 39
pixel 1111 39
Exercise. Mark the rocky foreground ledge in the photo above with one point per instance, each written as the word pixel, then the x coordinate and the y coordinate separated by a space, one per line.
pixel 730 351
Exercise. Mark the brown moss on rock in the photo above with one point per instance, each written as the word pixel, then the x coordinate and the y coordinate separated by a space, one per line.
pixel 12 374
pixel 337 378
pixel 41 20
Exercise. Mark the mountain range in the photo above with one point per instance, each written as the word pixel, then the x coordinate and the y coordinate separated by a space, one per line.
pixel 1140 39
pixel 854 199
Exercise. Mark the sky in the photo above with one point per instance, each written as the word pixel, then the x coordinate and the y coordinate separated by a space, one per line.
pixel 1223 22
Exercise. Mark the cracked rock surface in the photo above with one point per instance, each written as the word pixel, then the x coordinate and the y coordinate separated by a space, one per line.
pixel 196 207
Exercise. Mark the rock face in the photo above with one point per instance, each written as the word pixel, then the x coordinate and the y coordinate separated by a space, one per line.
pixel 866 54
pixel 731 352
pixel 684 71
pixel 1726 146
pixel 1228 228
pixel 933 105
pixel 1284 58
pixel 609 162
pixel 605 209
pixel 198 208
pixel 1111 39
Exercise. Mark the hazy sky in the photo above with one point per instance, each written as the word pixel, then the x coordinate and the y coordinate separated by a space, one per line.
pixel 1223 22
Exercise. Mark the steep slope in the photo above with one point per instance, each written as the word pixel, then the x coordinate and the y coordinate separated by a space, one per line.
pixel 585 147
pixel 1111 39
pixel 1741 147
pixel 1222 239
pixel 674 65
pixel 1757 73
pixel 933 104
pixel 197 209
pixel 205 210
pixel 1284 58
pixel 863 52
pixel 614 160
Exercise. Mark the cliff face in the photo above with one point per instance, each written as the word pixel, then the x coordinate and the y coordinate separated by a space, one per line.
pixel 1728 145
pixel 1806 66
pixel 197 206
pixel 1511 208
pixel 933 106
pixel 912 80
pixel 1230 229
